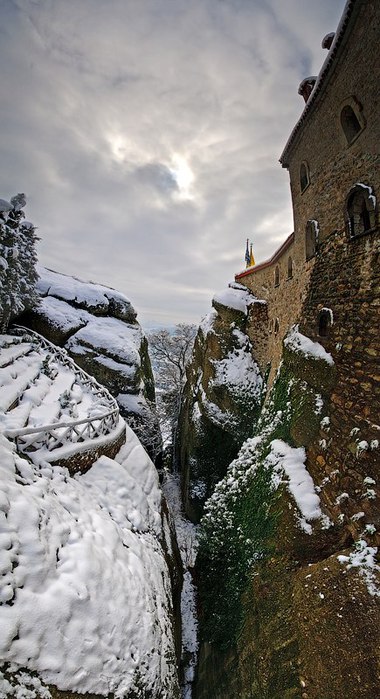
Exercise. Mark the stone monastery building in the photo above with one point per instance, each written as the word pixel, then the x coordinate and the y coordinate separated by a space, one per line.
pixel 325 275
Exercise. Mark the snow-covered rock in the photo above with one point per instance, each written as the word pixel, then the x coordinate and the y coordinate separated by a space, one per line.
pixel 85 595
pixel 98 327
pixel 95 298
pixel 222 396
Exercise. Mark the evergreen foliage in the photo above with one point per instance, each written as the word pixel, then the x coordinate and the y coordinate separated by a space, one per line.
pixel 18 260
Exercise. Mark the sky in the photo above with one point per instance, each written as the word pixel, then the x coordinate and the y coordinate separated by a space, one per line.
pixel 146 135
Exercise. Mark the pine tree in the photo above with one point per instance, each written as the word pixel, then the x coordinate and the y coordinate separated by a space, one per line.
pixel 18 260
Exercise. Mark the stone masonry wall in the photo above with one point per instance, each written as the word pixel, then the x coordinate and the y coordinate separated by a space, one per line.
pixel 334 168
pixel 284 304
pixel 334 165
pixel 346 279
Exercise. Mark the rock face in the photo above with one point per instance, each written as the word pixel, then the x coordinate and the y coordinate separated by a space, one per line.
pixel 98 327
pixel 222 397
pixel 288 575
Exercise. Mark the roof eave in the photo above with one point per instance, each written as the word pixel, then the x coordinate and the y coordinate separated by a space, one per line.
pixel 341 36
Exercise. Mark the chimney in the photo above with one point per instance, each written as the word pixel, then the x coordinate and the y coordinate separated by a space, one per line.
pixel 327 40
pixel 306 87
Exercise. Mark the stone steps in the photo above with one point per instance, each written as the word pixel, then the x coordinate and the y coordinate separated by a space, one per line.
pixel 40 388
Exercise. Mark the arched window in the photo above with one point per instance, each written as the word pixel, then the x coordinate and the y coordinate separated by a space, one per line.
pixel 350 123
pixel 277 276
pixel 276 326
pixel 290 268
pixel 324 322
pixel 311 241
pixel 304 176
pixel 360 210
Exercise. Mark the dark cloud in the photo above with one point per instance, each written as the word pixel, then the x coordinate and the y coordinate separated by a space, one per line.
pixel 147 135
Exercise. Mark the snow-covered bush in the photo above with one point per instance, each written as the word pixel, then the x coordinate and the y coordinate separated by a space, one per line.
pixel 18 260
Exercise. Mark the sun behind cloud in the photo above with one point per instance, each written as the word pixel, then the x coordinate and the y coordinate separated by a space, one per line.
pixel 183 175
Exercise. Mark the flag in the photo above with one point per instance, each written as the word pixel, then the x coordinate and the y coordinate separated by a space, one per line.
pixel 251 258
pixel 247 255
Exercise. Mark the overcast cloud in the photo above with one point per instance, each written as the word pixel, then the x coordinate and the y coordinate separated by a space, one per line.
pixel 146 136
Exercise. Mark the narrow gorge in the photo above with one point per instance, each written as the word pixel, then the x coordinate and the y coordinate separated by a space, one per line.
pixel 233 554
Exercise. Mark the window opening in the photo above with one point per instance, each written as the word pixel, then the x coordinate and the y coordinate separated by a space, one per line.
pixel 324 323
pixel 277 276
pixel 304 176
pixel 360 210
pixel 311 239
pixel 350 123
pixel 290 268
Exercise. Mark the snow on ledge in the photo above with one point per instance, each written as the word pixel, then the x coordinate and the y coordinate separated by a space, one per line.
pixel 300 343
pixel 291 462
pixel 237 299
pixel 371 195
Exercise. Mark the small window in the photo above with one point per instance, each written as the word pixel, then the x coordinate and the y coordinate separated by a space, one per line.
pixel 276 326
pixel 324 323
pixel 360 210
pixel 290 268
pixel 350 123
pixel 277 276
pixel 304 176
pixel 311 242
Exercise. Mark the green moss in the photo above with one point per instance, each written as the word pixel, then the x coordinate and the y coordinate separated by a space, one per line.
pixel 227 554
pixel 239 529
pixel 213 450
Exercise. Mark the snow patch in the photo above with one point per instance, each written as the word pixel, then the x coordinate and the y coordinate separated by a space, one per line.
pixel 111 336
pixel 79 292
pixel 364 558
pixel 207 323
pixel 236 299
pixel 291 462
pixel 300 343
pixel 239 372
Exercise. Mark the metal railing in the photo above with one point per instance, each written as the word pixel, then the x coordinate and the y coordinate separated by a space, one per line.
pixel 60 434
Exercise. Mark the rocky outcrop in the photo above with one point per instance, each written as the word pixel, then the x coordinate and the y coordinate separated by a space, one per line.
pixel 221 399
pixel 98 327
pixel 288 567
pixel 88 574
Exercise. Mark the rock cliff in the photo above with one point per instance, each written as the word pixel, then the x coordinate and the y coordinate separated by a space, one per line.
pixel 289 579
pixel 222 397
pixel 98 327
